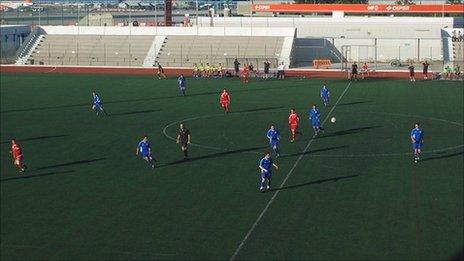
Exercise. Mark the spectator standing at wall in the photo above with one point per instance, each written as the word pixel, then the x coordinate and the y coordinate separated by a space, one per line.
pixel 411 73
pixel 447 72
pixel 354 71
pixel 425 69
pixel 457 72
pixel 267 65
pixel 251 68
pixel 280 71
pixel 236 67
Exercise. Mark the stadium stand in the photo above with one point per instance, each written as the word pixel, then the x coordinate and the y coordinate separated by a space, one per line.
pixel 144 47
pixel 458 52
pixel 180 51
pixel 453 46
pixel 110 50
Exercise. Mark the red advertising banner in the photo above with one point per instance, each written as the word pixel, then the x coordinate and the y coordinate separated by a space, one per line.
pixel 358 8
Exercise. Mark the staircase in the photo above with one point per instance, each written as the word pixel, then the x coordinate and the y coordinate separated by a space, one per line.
pixel 155 48
pixel 29 45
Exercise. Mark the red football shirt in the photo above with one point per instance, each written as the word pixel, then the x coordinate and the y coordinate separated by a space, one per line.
pixel 16 149
pixel 225 98
pixel 245 71
pixel 293 119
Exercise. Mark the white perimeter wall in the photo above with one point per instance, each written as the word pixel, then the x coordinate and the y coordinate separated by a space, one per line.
pixel 307 49
pixel 366 27
pixel 397 37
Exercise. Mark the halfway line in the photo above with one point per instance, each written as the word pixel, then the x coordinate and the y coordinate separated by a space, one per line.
pixel 285 180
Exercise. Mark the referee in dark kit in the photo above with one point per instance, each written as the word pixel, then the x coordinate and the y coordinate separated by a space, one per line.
pixel 184 139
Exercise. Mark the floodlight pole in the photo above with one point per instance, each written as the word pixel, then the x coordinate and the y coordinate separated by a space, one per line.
pixel 196 3
pixel 39 14
pixel 156 14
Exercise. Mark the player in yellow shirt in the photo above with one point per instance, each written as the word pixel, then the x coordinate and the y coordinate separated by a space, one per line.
pixel 201 70
pixel 207 70
pixel 221 70
pixel 195 70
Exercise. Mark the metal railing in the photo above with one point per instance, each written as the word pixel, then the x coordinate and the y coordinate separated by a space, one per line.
pixel 25 49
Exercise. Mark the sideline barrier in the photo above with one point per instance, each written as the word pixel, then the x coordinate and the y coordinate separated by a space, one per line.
pixel 307 73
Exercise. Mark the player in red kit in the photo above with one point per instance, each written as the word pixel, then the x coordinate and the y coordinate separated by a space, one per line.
pixel 17 154
pixel 293 120
pixel 245 74
pixel 225 100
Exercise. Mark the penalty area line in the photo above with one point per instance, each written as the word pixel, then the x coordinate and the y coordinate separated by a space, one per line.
pixel 255 224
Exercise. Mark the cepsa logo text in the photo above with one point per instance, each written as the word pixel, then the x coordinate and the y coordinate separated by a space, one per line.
pixel 262 7
pixel 397 8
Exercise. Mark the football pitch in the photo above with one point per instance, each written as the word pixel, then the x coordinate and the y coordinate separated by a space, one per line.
pixel 353 192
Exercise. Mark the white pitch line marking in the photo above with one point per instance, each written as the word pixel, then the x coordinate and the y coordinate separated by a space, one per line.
pixel 394 154
pixel 255 224
pixel 51 70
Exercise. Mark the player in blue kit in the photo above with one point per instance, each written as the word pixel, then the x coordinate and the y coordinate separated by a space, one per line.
pixel 274 136
pixel 314 116
pixel 182 84
pixel 265 165
pixel 97 104
pixel 145 151
pixel 325 95
pixel 417 138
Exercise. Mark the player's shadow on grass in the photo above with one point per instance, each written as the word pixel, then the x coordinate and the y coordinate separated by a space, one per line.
pixel 348 131
pixel 71 163
pixel 89 104
pixel 352 103
pixel 314 151
pixel 214 155
pixel 25 175
pixel 443 156
pixel 258 109
pixel 48 107
pixel 133 112
pixel 315 182
pixel 36 138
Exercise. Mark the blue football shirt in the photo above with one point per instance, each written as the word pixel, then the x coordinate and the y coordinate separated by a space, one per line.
pixel 325 92
pixel 314 114
pixel 181 81
pixel 266 164
pixel 144 147
pixel 273 135
pixel 418 135
pixel 96 99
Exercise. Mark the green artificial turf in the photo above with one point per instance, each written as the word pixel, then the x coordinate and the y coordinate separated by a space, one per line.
pixel 355 194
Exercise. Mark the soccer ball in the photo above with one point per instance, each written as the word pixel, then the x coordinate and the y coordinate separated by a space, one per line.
pixel 333 120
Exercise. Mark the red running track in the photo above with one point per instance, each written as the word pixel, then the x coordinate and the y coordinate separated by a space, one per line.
pixel 171 71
